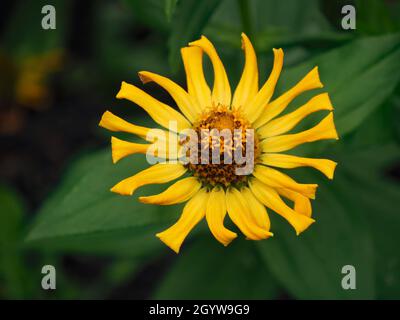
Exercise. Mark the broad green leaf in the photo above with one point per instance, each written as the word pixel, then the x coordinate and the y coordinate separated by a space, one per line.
pixel 190 18
pixel 378 128
pixel 380 202
pixel 207 270
pixel 291 22
pixel 83 215
pixel 356 223
pixel 290 16
pixel 20 274
pixel 309 266
pixel 378 197
pixel 129 242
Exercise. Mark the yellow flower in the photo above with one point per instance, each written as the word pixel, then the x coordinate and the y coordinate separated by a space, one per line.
pixel 213 190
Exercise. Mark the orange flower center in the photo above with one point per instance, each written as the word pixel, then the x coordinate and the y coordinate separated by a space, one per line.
pixel 224 141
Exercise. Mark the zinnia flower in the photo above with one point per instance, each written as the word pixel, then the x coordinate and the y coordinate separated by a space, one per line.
pixel 213 190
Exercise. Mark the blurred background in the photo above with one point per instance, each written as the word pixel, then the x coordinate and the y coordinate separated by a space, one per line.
pixel 56 170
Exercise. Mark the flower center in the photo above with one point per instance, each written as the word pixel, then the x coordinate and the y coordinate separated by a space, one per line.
pixel 227 145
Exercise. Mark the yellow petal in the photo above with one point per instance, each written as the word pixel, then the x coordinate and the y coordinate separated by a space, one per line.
pixel 258 211
pixel 160 112
pixel 323 130
pixel 215 214
pixel 113 123
pixel 302 204
pixel 255 107
pixel 273 109
pixel 185 102
pixel 239 212
pixel 289 121
pixel 159 173
pixel 277 179
pixel 248 84
pixel 180 191
pixel 116 124
pixel 327 167
pixel 192 213
pixel 197 86
pixel 221 93
pixel 271 199
pixel 165 145
pixel 121 148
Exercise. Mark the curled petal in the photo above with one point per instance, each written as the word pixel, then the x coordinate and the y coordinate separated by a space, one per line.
pixel 185 102
pixel 221 93
pixel 159 173
pixel 273 109
pixel 269 197
pixel 239 212
pixel 248 84
pixel 277 179
pixel 121 149
pixel 256 106
pixel 302 204
pixel 197 86
pixel 326 166
pixel 289 121
pixel 116 124
pixel 180 191
pixel 158 111
pixel 192 213
pixel 258 211
pixel 215 215
pixel 323 130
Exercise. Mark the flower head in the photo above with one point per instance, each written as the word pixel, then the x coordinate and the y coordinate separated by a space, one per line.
pixel 229 148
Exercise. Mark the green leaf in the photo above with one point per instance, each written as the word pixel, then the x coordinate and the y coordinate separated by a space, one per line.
pixel 356 223
pixel 19 279
pixel 378 197
pixel 170 6
pixel 207 270
pixel 378 128
pixel 83 215
pixel 309 266
pixel 288 23
pixel 380 201
pixel 359 77
pixel 190 18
